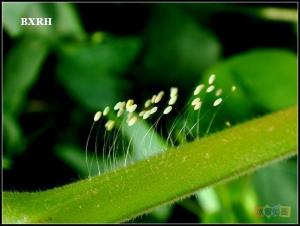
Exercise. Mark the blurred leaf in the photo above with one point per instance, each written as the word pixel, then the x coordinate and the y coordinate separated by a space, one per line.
pixel 208 200
pixel 145 139
pixel 237 202
pixel 162 213
pixel 241 199
pixel 74 157
pixel 277 185
pixel 227 214
pixel 140 147
pixel 13 136
pixel 65 20
pixel 266 80
pixel 177 47
pixel 12 12
pixel 6 163
pixel 204 12
pixel 219 203
pixel 278 14
pixel 21 68
pixel 92 73
pixel 68 21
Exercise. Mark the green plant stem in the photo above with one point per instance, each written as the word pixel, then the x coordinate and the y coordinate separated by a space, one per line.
pixel 129 192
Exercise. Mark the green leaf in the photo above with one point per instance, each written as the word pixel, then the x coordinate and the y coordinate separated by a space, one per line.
pixel 141 147
pixel 266 80
pixel 6 163
pixel 204 11
pixel 13 136
pixel 277 185
pixel 12 12
pixel 233 202
pixel 92 74
pixel 128 192
pixel 145 140
pixel 65 21
pixel 177 47
pixel 259 75
pixel 75 158
pixel 278 14
pixel 21 68
pixel 239 200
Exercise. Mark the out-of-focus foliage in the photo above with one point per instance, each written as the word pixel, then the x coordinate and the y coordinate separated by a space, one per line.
pixel 266 81
pixel 11 14
pixel 25 60
pixel 65 20
pixel 188 48
pixel 179 45
pixel 277 185
pixel 92 73
pixel 29 54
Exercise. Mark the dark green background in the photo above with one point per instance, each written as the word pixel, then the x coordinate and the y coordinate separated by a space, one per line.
pixel 94 55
